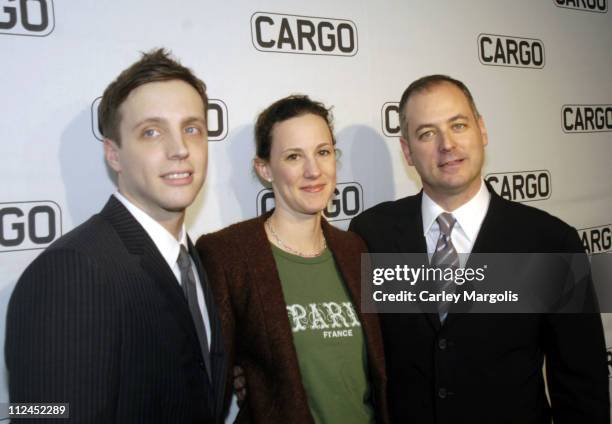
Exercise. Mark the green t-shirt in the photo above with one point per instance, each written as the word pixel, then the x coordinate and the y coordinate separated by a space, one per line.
pixel 328 338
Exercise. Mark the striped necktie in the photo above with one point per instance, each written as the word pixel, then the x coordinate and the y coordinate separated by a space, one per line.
pixel 445 256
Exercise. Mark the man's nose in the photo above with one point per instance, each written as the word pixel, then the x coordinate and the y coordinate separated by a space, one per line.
pixel 177 145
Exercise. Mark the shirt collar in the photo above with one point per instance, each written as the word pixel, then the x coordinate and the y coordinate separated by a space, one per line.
pixel 165 242
pixel 469 216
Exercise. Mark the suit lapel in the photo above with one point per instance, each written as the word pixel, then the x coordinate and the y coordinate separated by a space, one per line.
pixel 139 244
pixel 411 239
pixel 409 226
pixel 487 240
pixel 154 264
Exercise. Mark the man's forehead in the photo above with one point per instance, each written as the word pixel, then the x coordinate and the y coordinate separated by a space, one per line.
pixel 441 98
pixel 442 88
pixel 161 98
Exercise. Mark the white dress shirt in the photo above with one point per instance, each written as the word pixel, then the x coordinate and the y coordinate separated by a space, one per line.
pixel 169 247
pixel 469 218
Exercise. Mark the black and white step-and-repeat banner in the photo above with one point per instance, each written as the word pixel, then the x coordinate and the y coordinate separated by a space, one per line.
pixel 540 73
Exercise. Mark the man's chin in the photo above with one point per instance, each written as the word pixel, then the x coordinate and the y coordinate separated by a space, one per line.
pixel 178 205
pixel 458 187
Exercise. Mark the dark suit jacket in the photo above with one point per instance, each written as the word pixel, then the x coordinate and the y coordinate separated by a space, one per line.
pixel 98 320
pixel 488 369
pixel 254 315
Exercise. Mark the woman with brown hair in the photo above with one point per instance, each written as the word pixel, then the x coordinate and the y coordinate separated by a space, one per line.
pixel 287 285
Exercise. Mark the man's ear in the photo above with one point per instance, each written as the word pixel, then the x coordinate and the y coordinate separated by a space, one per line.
pixel 483 131
pixel 263 169
pixel 111 154
pixel 406 150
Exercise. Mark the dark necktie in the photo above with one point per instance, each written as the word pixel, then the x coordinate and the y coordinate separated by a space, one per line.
pixel 445 256
pixel 188 282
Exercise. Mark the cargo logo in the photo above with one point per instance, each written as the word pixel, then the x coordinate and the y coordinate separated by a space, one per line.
pixel 390 119
pixel 586 118
pixel 346 202
pixel 504 50
pixel 217 119
pixel 29 225
pixel 273 32
pixel 27 17
pixel 522 186
pixel 596 239
pixel 599 6
pixel 94 119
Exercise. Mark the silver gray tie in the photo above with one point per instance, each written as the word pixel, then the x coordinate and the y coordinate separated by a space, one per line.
pixel 445 256
pixel 188 282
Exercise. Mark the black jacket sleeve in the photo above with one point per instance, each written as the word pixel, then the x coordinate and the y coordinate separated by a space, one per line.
pixel 61 339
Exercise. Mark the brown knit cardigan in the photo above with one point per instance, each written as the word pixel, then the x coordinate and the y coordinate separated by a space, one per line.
pixel 242 271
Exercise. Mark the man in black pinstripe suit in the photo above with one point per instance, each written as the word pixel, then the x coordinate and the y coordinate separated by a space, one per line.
pixel 99 320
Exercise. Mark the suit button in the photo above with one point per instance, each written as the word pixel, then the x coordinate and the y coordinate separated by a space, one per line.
pixel 442 344
pixel 202 365
pixel 442 393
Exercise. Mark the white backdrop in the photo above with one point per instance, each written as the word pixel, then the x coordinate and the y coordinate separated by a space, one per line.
pixel 537 71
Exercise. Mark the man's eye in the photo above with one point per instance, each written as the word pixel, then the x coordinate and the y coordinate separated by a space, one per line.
pixel 292 156
pixel 325 152
pixel 151 132
pixel 193 130
pixel 459 126
pixel 426 135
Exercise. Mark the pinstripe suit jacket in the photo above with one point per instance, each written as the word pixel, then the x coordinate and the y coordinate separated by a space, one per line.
pixel 98 320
